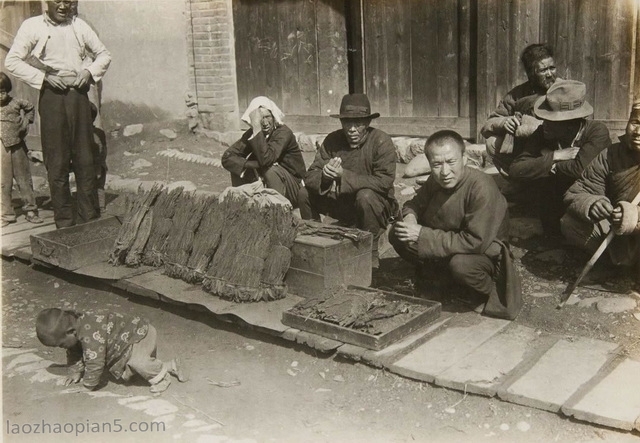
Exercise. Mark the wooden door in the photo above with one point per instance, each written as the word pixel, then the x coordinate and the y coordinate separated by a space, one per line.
pixel 417 64
pixel 293 52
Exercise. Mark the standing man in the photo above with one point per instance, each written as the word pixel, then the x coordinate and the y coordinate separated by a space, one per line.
pixel 514 114
pixel 452 227
pixel 351 178
pixel 49 53
pixel 560 149
pixel 600 200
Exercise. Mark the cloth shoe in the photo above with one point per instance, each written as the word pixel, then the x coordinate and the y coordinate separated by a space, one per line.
pixel 161 386
pixel 178 370
pixel 33 217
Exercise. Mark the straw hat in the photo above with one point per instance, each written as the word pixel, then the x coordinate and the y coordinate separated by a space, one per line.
pixel 565 100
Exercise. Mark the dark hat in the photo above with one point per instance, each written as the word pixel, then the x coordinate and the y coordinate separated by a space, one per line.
pixel 355 106
pixel 565 100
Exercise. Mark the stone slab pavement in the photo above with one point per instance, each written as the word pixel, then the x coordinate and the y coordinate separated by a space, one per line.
pixel 559 373
pixel 614 401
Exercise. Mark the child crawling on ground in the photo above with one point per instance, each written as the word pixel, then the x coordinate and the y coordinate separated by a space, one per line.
pixel 123 344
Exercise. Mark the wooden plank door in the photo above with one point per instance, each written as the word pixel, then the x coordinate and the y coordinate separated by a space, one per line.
pixel 417 64
pixel 293 52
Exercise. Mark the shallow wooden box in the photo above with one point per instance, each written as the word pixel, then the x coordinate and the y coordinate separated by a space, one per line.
pixel 53 247
pixel 362 339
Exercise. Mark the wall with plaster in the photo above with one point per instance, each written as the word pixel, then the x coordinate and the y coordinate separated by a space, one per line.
pixel 147 41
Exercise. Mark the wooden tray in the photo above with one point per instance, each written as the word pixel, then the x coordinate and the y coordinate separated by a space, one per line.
pixel 359 338
pixel 50 247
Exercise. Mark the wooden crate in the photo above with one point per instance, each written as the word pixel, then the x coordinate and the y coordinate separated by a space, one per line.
pixel 359 338
pixel 62 248
pixel 319 263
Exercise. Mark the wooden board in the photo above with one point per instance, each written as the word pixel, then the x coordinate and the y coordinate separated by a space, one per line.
pixel 359 338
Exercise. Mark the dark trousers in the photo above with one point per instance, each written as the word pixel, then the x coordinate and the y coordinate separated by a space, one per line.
pixel 276 177
pixel 474 271
pixel 15 165
pixel 366 210
pixel 67 145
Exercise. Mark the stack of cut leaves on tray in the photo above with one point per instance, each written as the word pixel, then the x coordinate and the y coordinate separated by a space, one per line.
pixel 238 249
pixel 206 240
pixel 186 220
pixel 135 229
pixel 250 261
pixel 369 312
pixel 163 212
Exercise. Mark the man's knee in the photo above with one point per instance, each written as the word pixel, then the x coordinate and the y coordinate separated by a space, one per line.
pixel 366 198
pixel 465 266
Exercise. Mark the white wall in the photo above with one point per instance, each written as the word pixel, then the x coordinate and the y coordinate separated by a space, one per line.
pixel 147 41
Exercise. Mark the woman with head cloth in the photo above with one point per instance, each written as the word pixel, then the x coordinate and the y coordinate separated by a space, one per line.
pixel 267 151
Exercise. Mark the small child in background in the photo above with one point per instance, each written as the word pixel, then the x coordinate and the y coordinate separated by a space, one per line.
pixel 15 116
pixel 123 344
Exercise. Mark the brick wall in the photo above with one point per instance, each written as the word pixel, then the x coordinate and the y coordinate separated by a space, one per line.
pixel 212 72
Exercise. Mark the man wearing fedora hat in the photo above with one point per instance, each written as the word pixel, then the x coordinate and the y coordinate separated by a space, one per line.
pixel 351 178
pixel 600 200
pixel 558 151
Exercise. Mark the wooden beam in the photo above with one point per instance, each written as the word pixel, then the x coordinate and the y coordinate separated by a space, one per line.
pixel 409 126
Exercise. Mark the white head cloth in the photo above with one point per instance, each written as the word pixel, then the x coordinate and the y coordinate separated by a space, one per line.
pixel 263 102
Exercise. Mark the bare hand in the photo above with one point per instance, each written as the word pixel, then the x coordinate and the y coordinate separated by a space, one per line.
pixel 24 125
pixel 256 120
pixel 565 154
pixel 56 82
pixel 82 80
pixel 616 217
pixel 73 378
pixel 407 231
pixel 601 209
pixel 333 168
pixel 510 124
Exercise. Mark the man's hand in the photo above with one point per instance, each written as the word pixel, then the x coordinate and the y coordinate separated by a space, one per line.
pixel 601 209
pixel 407 231
pixel 565 154
pixel 616 218
pixel 82 80
pixel 333 169
pixel 256 120
pixel 56 82
pixel 510 124
pixel 73 378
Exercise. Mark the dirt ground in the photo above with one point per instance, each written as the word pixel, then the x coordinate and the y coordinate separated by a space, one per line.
pixel 283 392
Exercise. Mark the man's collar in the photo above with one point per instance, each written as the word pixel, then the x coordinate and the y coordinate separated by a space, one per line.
pixel 48 20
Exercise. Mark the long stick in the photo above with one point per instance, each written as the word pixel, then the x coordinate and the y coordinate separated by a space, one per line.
pixel 592 261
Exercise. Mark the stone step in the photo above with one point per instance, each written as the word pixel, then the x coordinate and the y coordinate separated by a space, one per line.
pixel 559 373
pixel 614 401
pixel 446 349
pixel 486 368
